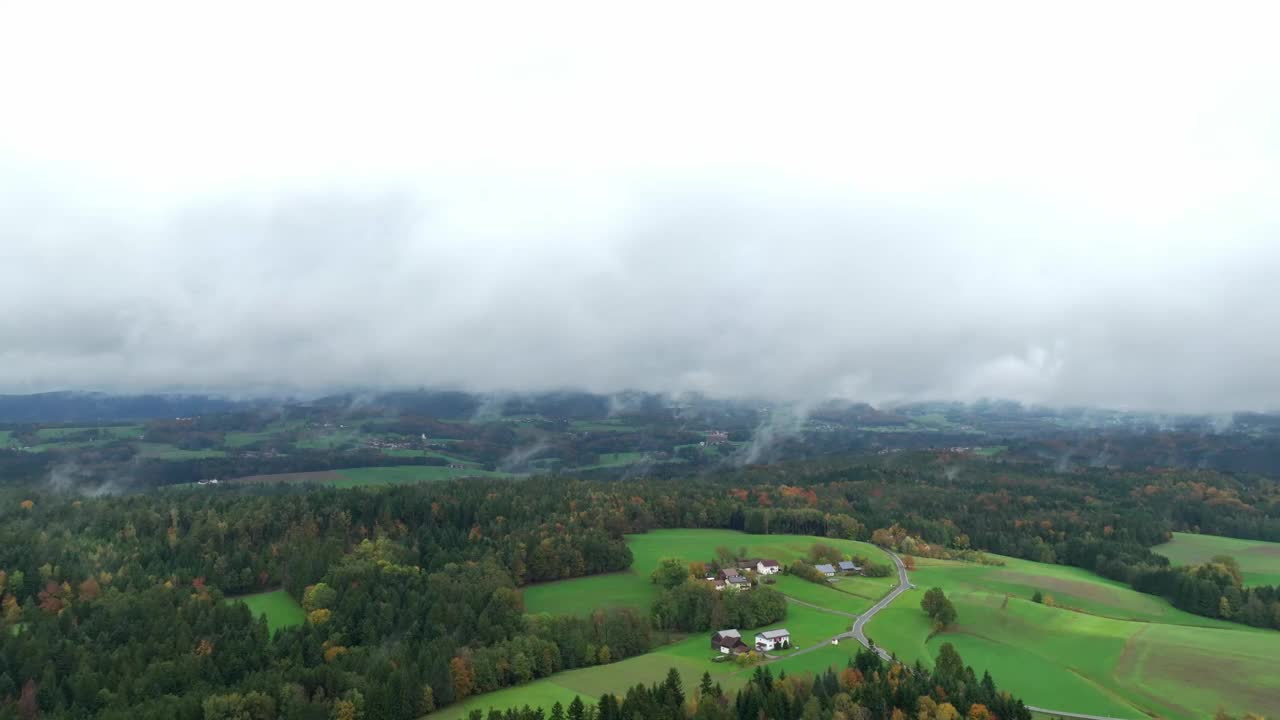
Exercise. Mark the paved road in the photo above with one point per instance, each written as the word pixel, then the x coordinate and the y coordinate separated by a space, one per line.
pixel 904 585
pixel 819 646
pixel 859 627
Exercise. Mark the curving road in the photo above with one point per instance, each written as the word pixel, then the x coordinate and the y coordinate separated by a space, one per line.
pixel 904 585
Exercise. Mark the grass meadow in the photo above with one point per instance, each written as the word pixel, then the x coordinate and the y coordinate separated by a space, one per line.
pixel 1104 650
pixel 162 451
pixel 692 656
pixel 1259 560
pixel 109 432
pixel 279 606
pixel 406 475
pixel 633 588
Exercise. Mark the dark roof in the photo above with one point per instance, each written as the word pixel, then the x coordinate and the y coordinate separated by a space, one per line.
pixel 734 644
pixel 769 563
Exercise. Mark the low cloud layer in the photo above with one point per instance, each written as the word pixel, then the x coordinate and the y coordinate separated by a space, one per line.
pixel 851 206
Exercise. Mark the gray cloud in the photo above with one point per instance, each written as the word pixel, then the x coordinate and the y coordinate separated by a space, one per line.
pixel 857 213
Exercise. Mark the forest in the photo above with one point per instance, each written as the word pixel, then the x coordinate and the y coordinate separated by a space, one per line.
pixel 115 606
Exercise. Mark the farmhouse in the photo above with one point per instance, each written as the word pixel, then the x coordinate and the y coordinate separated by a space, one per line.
pixel 825 570
pixel 848 567
pixel 716 437
pixel 729 642
pixel 768 567
pixel 772 640
pixel 735 581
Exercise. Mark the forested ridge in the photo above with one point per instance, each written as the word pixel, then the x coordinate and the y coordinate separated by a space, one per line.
pixel 114 606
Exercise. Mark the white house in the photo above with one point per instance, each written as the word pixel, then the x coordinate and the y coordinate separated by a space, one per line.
pixel 825 570
pixel 768 567
pixel 772 640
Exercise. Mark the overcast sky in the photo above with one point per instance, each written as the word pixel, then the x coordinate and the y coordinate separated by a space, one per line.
pixel 946 201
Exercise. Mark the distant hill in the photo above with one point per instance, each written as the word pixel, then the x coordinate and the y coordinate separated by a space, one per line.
pixel 82 407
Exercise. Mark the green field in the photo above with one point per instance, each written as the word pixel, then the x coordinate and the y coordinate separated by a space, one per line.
pixel 1117 653
pixel 331 438
pixel 580 596
pixel 603 426
pixel 279 607
pixel 59 438
pixel 407 474
pixel 163 451
pixel 692 545
pixel 112 432
pixel 621 458
pixel 1104 649
pixel 1070 587
pixel 237 439
pixel 634 589
pixel 691 656
pixel 1259 560
pixel 840 595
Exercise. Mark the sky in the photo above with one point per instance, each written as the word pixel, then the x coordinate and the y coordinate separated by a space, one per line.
pixel 1071 205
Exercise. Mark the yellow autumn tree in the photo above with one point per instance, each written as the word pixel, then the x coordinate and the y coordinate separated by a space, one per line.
pixel 344 710
pixel 946 711
pixel 978 711
pixel 12 610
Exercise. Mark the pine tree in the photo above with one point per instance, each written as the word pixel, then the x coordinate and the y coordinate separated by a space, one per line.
pixel 705 687
pixel 674 688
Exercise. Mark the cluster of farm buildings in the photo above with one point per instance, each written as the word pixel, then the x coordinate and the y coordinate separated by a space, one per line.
pixel 844 566
pixel 729 642
pixel 735 578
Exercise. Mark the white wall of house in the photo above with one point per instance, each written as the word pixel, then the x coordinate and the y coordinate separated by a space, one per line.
pixel 767 644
